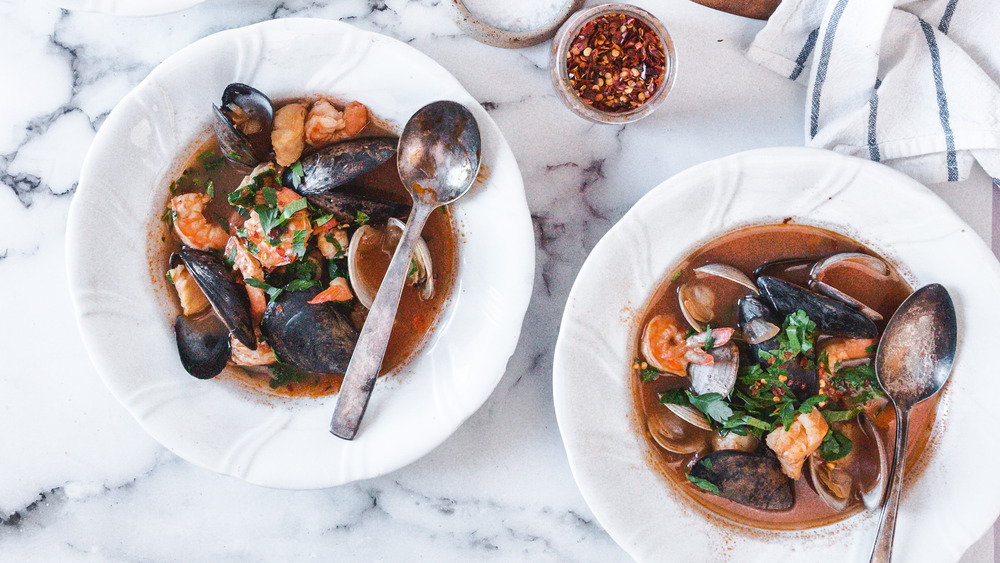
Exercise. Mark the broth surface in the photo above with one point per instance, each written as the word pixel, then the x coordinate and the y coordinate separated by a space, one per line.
pixel 747 250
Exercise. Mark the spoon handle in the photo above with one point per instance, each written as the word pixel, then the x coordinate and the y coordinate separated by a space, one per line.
pixel 366 361
pixel 882 550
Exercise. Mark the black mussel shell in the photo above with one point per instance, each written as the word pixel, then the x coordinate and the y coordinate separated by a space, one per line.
pixel 318 338
pixel 202 344
pixel 228 298
pixel 795 270
pixel 238 147
pixel 750 479
pixel 832 317
pixel 346 206
pixel 749 308
pixel 803 382
pixel 339 163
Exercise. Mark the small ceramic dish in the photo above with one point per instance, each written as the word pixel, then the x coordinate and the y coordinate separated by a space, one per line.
pixel 569 88
pixel 494 36
pixel 125 308
pixel 947 502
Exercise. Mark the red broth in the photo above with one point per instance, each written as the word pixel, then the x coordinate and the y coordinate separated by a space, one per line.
pixel 748 249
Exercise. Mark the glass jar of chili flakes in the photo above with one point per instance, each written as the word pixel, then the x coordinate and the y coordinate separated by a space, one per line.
pixel 612 63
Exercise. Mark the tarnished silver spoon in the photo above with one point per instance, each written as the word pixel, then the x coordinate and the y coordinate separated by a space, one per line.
pixel 913 362
pixel 438 160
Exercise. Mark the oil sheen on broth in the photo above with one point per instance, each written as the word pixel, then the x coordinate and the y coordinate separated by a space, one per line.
pixel 747 250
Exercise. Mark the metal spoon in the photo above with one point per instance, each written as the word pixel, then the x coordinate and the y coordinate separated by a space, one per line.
pixel 438 160
pixel 913 362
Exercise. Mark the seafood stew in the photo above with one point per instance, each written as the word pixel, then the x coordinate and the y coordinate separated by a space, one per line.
pixel 283 225
pixel 754 378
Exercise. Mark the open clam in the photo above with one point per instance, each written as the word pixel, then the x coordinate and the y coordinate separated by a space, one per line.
pixel 718 377
pixel 843 482
pixel 871 265
pixel 368 240
pixel 697 302
pixel 675 434
pixel 243 125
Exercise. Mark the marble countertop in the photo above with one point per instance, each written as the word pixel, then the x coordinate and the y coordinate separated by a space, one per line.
pixel 81 481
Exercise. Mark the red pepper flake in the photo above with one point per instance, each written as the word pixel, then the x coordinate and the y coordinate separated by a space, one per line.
pixel 616 63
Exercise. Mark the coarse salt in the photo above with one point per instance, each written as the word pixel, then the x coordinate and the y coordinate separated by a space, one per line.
pixel 515 15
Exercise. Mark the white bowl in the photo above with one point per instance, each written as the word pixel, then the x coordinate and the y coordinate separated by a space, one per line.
pixel 125 310
pixel 949 500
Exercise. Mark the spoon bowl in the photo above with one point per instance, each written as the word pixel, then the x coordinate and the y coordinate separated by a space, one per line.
pixel 913 362
pixel 438 160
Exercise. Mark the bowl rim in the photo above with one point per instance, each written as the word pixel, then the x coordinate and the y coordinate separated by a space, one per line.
pixel 292 436
pixel 616 448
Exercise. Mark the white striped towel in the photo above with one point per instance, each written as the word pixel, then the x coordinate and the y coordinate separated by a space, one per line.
pixel 912 84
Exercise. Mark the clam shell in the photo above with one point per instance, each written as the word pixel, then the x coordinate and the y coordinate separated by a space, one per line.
pixel 730 273
pixel 691 415
pixel 719 377
pixel 675 435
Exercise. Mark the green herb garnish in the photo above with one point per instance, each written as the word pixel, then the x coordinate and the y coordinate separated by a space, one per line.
pixel 703 484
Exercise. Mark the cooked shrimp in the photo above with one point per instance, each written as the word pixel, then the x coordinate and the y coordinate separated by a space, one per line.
pixel 331 241
pixel 287 133
pixel 192 298
pixel 191 225
pixel 664 346
pixel 249 267
pixel 797 443
pixel 339 290
pixel 274 255
pixel 243 356
pixel 326 124
pixel 841 350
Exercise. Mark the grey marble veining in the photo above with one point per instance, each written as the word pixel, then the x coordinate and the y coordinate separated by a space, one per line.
pixel 79 480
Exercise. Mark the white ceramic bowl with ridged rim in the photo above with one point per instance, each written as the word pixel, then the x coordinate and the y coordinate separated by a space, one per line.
pixel 947 503
pixel 128 7
pixel 125 310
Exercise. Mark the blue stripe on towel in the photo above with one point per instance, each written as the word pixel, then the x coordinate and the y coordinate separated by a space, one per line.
pixel 807 49
pixel 942 100
pixel 873 152
pixel 824 61
pixel 946 18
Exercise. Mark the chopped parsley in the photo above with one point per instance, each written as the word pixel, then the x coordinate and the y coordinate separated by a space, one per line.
pixel 362 218
pixel 282 376
pixel 703 484
pixel 297 174
pixel 210 161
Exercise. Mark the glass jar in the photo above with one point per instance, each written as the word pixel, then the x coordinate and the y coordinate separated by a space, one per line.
pixel 570 93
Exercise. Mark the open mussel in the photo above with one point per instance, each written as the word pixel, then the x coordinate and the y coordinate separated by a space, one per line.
pixel 203 341
pixel 315 337
pixel 243 125
pixel 367 239
pixel 832 317
pixel 750 479
pixel 338 164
